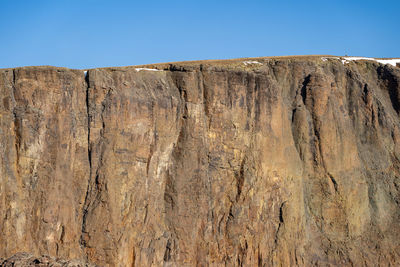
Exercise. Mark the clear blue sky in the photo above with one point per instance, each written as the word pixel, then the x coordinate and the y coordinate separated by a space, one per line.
pixel 96 33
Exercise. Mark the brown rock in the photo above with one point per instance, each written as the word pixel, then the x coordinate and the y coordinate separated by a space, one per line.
pixel 25 259
pixel 294 161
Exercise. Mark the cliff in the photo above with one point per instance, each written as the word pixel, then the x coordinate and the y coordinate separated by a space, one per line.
pixel 266 162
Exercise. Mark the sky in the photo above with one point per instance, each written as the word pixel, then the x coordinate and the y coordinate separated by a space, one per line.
pixel 96 33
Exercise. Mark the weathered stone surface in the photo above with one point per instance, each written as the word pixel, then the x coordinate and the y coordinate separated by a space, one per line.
pixel 294 161
pixel 44 165
pixel 25 259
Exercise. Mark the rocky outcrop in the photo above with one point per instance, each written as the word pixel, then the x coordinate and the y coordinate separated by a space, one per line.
pixel 25 259
pixel 269 162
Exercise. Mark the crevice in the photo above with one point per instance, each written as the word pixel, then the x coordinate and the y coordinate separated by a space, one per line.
pixel 281 212
pixel 281 222
pixel 303 90
pixel 18 134
pixel 82 242
pixel 13 79
pixel 167 253
pixel 88 122
pixel 240 180
pixel 62 234
pixel 293 114
pixel 230 216
pixel 335 185
pixel 365 93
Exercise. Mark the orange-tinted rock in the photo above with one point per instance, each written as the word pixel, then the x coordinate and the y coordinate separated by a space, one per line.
pixel 290 162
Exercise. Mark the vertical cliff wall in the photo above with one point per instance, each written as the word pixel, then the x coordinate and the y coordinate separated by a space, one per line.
pixel 281 162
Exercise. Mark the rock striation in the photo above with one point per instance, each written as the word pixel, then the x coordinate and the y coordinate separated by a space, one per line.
pixel 270 162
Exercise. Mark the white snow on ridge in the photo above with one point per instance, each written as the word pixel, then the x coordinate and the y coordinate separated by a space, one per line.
pixel 358 58
pixel 346 60
pixel 139 69
pixel 251 62
pixel 392 62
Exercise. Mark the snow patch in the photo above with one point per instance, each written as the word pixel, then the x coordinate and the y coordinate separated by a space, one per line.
pixel 346 60
pixel 251 62
pixel 139 69
pixel 358 58
pixel 392 62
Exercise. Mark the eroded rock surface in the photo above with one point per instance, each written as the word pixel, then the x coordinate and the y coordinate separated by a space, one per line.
pixel 291 162
pixel 25 259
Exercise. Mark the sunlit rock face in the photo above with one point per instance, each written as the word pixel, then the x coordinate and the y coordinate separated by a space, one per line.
pixel 264 162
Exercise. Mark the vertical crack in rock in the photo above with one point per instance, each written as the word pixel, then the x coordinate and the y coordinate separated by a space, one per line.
pixel 17 121
pixel 167 253
pixel 89 155
pixel 303 91
pixel 333 182
pixel 279 229
pixel 89 151
pixel 240 179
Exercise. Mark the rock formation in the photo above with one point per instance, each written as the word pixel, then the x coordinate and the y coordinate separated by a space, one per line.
pixel 272 162
pixel 23 259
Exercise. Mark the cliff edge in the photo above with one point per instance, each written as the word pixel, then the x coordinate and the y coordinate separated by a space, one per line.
pixel 291 161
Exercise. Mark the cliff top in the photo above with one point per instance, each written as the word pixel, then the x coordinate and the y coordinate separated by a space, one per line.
pixel 250 62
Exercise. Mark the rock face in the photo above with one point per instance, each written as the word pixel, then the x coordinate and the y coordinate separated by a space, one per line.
pixel 279 162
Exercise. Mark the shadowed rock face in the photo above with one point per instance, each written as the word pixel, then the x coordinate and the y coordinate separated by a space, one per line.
pixel 290 162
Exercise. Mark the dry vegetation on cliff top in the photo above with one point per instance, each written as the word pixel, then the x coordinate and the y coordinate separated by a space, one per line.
pixel 239 63
pixel 236 63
